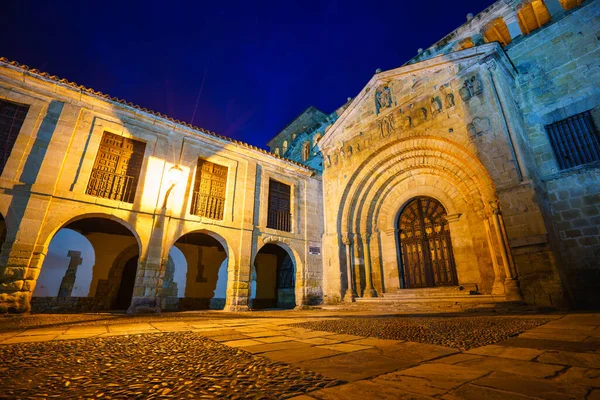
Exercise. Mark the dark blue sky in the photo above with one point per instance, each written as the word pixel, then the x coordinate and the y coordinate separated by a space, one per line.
pixel 263 62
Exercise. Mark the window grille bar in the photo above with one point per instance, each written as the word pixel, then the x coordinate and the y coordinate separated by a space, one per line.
pixel 207 206
pixel 593 132
pixel 575 140
pixel 111 186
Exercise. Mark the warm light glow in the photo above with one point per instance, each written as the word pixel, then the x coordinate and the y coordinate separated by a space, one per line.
pixel 175 175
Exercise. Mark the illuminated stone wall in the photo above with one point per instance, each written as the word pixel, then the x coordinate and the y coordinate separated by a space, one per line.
pixel 43 188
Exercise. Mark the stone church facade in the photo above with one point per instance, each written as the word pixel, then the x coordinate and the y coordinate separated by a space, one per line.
pixel 474 165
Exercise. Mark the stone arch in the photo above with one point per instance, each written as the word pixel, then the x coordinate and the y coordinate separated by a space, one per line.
pixel 55 224
pixel 412 154
pixel 421 165
pixel 107 234
pixel 209 259
pixel 284 268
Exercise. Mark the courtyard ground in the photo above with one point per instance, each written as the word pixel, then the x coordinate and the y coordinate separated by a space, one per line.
pixel 317 354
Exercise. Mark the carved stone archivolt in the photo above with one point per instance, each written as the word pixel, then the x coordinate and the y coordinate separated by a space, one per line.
pixel 479 126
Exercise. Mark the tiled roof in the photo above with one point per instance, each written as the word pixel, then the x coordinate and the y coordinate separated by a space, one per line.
pixel 130 104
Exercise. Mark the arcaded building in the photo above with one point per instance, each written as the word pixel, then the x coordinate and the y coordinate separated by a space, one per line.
pixel 473 166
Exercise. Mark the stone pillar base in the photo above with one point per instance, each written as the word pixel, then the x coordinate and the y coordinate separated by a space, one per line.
pixel 512 290
pixel 370 293
pixel 236 308
pixel 350 297
pixel 144 305
pixel 15 302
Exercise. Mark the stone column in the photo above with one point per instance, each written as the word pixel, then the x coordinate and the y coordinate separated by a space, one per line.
pixel 512 288
pixel 369 290
pixel 499 276
pixel 239 274
pixel 512 23
pixel 350 295
pixel 68 281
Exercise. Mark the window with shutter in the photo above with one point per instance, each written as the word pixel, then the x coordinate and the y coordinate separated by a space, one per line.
pixel 210 189
pixel 117 168
pixel 279 216
pixel 12 116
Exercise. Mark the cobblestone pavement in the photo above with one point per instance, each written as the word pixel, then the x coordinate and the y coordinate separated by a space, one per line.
pixel 458 332
pixel 179 365
pixel 277 356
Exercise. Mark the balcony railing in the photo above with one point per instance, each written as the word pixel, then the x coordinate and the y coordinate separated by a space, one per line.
pixel 207 206
pixel 279 220
pixel 112 186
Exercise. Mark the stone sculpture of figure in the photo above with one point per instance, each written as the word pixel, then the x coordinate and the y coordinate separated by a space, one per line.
pixel 383 98
pixel 407 122
pixel 449 100
pixel 436 105
pixel 476 85
pixel 327 161
pixel 478 126
pixel 342 153
pixel 466 92
pixel 423 114
pixel 386 126
pixel 349 151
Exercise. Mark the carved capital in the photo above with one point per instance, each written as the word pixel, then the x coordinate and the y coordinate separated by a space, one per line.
pixel 490 63
pixel 495 206
pixel 347 238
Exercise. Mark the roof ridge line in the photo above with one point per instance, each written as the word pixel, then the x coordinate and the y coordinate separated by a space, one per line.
pixel 105 96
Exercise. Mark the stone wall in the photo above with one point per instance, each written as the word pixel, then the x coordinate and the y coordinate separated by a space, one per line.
pixel 559 75
pixel 44 188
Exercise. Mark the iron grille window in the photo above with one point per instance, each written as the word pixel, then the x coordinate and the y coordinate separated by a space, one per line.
pixel 208 199
pixel 12 116
pixel 279 216
pixel 117 168
pixel 575 140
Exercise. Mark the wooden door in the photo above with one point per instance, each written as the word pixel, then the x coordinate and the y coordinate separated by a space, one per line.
pixel 427 258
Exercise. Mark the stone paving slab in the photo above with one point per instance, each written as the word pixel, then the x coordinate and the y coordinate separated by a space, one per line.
pixel 538 388
pixel 317 340
pixel 344 347
pixel 516 353
pixel 586 360
pixel 363 390
pixel 581 376
pixel 413 352
pixel 431 379
pixel 470 391
pixel 265 347
pixel 242 343
pixel 525 368
pixel 543 344
pixel 295 355
pixel 354 366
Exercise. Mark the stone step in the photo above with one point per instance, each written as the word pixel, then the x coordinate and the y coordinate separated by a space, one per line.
pixel 403 299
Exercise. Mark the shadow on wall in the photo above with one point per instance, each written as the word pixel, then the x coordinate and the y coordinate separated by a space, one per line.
pixel 273 279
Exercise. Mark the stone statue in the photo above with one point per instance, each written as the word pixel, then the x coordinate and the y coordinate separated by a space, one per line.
pixel 386 126
pixel 407 122
pixel 383 98
pixel 423 114
pixel 466 92
pixel 436 105
pixel 449 100
pixel 476 85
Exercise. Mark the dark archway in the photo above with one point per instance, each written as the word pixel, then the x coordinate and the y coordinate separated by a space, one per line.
pixel 275 278
pixel 125 292
pixel 2 230
pixel 426 249
pixel 98 249
pixel 206 276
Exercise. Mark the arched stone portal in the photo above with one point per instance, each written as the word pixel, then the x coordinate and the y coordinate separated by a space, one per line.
pixel 114 250
pixel 275 275
pixel 207 258
pixel 427 259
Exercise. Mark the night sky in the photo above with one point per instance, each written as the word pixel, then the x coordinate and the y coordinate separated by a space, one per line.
pixel 250 67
